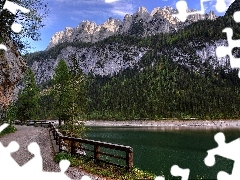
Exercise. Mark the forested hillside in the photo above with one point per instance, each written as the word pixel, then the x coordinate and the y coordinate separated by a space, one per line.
pixel 175 78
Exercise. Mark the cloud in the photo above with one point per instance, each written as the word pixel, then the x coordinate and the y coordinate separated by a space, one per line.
pixel 110 1
pixel 119 12
pixel 79 2
pixel 121 7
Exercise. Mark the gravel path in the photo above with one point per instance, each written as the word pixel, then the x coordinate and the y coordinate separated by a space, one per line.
pixel 27 134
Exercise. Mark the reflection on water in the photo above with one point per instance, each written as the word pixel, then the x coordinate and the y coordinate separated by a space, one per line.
pixel 156 149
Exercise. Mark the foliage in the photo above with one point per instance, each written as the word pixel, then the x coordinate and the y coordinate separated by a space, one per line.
pixel 52 52
pixel 11 113
pixel 61 92
pixel 31 22
pixel 27 104
pixel 166 90
pixel 78 91
pixel 160 86
pixel 8 130
pixel 47 109
pixel 76 129
pixel 102 169
pixel 70 98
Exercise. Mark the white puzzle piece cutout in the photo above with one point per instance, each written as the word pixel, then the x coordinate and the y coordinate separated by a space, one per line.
pixel 10 169
pixel 4 126
pixel 159 178
pixel 13 8
pixel 34 165
pixel 177 171
pixel 86 178
pixel 223 51
pixel 7 163
pixel 221 6
pixel 228 150
pixel 32 169
pixel 182 8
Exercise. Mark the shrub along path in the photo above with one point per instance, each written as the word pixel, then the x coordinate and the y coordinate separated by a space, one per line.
pixel 27 134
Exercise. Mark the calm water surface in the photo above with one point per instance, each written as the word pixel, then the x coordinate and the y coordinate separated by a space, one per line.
pixel 157 149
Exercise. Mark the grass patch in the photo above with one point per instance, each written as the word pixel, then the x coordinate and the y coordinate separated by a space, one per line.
pixel 8 130
pixel 102 169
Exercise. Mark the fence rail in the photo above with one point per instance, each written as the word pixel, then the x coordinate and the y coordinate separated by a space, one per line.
pixel 76 148
pixel 32 123
pixel 38 122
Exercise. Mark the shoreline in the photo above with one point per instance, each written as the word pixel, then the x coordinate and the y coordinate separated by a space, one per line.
pixel 167 123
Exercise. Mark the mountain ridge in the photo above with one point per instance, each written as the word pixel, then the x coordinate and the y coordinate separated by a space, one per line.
pixel 192 46
pixel 142 23
pixel 130 76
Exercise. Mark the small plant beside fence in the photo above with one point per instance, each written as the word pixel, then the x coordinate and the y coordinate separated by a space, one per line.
pixel 79 146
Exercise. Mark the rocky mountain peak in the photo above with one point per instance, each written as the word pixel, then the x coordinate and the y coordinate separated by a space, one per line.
pixel 86 26
pixel 142 11
pixel 160 20
pixel 112 23
pixel 155 10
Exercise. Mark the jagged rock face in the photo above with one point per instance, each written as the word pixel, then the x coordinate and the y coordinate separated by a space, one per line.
pixel 109 59
pixel 200 57
pixel 12 68
pixel 105 60
pixel 160 20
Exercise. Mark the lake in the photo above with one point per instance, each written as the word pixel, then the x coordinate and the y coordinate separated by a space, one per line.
pixel 158 149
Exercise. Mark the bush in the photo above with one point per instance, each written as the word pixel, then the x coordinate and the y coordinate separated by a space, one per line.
pixel 76 129
pixel 103 169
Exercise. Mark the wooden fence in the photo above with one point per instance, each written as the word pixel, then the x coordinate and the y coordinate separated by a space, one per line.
pixel 33 123
pixel 76 147
pixel 38 122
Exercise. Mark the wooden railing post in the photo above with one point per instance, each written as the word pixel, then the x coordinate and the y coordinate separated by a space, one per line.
pixel 72 150
pixel 57 138
pixel 96 152
pixel 129 159
pixel 54 134
pixel 75 144
pixel 60 144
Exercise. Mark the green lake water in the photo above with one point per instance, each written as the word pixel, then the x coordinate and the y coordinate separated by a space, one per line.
pixel 157 149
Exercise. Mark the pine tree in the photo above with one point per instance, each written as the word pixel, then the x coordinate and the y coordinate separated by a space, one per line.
pixel 27 105
pixel 78 94
pixel 61 92
pixel 69 98
pixel 78 99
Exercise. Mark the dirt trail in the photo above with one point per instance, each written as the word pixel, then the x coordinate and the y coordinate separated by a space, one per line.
pixel 27 134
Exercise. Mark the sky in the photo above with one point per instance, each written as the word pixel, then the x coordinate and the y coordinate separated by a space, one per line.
pixel 69 13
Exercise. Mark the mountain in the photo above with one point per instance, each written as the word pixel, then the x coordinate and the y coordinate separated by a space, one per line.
pixel 143 23
pixel 135 75
pixel 114 46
